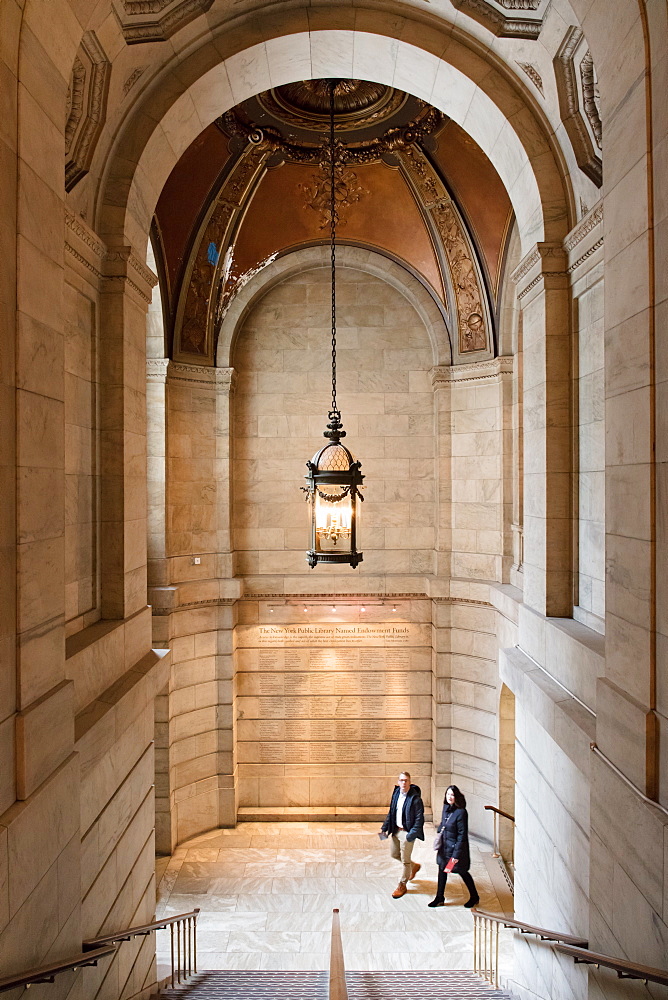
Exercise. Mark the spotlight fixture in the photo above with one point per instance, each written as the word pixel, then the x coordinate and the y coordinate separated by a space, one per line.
pixel 333 607
pixel 394 608
pixel 334 478
pixel 305 609
pixel 362 609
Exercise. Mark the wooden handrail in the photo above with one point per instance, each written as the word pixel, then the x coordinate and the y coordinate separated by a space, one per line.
pixel 540 932
pixel 337 972
pixel 501 813
pixel 624 969
pixel 141 929
pixel 47 973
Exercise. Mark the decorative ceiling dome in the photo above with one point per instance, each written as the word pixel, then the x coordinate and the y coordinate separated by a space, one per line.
pixel 357 103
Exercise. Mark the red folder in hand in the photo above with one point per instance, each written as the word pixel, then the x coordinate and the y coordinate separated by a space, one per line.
pixel 450 865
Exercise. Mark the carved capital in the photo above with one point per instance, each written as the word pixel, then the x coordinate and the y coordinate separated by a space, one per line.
pixel 543 262
pixel 121 266
pixel 83 246
pixel 156 369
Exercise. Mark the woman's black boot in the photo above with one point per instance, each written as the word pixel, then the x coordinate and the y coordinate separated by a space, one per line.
pixel 439 898
pixel 473 892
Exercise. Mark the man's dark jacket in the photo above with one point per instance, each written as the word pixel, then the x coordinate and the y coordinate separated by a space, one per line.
pixel 413 814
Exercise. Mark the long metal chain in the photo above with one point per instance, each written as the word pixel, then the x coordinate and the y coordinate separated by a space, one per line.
pixel 332 236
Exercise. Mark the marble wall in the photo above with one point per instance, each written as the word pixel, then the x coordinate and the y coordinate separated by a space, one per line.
pixel 282 361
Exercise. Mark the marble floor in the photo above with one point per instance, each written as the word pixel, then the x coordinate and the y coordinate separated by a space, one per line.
pixel 266 893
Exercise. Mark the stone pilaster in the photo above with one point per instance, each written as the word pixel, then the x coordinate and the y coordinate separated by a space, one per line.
pixel 542 283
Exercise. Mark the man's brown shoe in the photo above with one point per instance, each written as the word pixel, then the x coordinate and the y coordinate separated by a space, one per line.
pixel 400 891
pixel 414 870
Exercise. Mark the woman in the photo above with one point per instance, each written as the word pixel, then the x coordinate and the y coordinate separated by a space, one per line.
pixel 454 830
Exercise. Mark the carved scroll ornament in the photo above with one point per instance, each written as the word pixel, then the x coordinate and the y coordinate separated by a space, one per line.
pixel 467 288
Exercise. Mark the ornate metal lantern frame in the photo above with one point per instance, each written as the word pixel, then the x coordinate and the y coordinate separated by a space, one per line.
pixel 334 476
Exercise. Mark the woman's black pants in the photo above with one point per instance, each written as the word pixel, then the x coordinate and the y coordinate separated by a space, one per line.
pixel 465 877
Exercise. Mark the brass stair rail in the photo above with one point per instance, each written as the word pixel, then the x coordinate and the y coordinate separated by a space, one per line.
pixel 486 941
pixel 337 971
pixel 624 969
pixel 496 813
pixel 183 943
pixel 48 973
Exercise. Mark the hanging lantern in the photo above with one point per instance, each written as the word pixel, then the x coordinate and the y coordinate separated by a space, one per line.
pixel 334 480
pixel 334 477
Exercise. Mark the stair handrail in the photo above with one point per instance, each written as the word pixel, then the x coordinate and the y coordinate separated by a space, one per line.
pixel 337 970
pixel 183 943
pixel 623 968
pixel 48 973
pixel 541 932
pixel 496 812
pixel 486 940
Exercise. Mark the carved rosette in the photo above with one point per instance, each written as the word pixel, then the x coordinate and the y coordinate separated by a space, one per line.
pixel 156 20
pixel 467 295
pixel 86 107
pixel 579 103
pixel 200 291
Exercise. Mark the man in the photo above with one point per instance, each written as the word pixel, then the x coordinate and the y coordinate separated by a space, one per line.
pixel 404 824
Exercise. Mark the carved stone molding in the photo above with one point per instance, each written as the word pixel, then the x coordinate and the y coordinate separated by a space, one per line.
pixel 470 303
pixel 584 227
pixel 507 18
pixel 156 20
pixel 578 102
pixel 132 79
pixel 475 371
pixel 533 75
pixel 220 379
pixel 86 107
pixel 582 242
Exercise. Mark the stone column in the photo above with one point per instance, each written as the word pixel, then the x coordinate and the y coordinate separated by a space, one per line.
pixel 542 286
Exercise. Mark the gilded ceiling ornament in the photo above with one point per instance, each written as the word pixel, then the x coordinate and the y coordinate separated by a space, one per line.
pixel 473 317
pixel 347 191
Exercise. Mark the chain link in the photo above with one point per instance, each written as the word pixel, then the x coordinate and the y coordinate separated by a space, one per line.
pixel 332 235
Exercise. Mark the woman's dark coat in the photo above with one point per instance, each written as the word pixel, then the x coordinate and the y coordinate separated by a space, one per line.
pixel 455 842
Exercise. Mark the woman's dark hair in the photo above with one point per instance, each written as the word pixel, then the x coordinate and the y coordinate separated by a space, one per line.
pixel 460 801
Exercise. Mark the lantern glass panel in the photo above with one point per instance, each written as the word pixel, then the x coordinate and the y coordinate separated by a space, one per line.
pixel 333 520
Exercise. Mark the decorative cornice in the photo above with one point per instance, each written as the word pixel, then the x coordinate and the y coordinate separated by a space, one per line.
pixel 592 250
pixel 78 228
pixel 220 379
pixel 525 21
pixel 156 20
pixel 584 227
pixel 476 371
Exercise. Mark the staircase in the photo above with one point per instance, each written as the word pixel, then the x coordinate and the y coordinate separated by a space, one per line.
pixel 245 985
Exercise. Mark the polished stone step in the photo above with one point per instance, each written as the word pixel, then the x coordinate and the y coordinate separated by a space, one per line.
pixel 250 985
